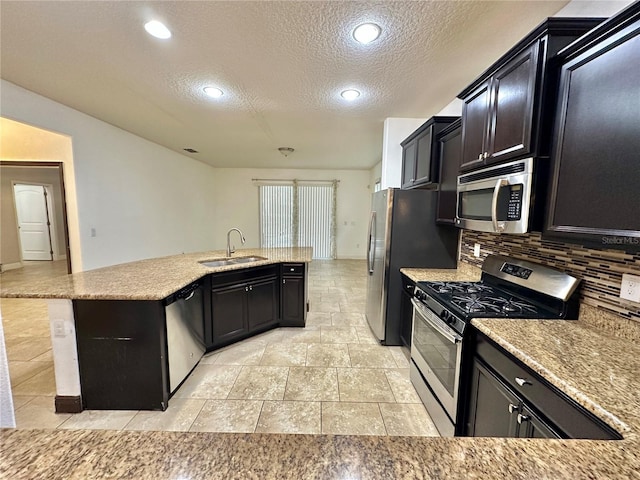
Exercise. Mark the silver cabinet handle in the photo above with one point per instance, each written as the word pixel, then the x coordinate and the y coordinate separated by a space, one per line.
pixel 246 289
pixel 480 156
pixel 485 155
pixel 250 287
pixel 513 408
pixel 190 296
pixel 498 228
pixel 284 280
pixel 293 269
pixel 523 418
pixel 523 381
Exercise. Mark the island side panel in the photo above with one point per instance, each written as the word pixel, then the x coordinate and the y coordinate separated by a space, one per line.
pixel 65 356
pixel 122 354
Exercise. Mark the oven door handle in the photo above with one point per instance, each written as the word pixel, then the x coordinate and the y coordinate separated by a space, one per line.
pixel 498 228
pixel 443 330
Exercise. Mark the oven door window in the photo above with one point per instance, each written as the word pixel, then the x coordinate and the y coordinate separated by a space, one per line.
pixel 440 353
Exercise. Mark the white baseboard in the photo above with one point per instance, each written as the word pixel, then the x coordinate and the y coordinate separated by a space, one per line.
pixel 59 257
pixel 10 266
pixel 351 257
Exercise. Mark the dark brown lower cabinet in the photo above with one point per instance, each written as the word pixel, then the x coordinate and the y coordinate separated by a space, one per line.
pixel 243 303
pixel 508 399
pixel 293 300
pixel 122 354
pixel 406 311
pixel 496 411
pixel 262 303
pixel 228 308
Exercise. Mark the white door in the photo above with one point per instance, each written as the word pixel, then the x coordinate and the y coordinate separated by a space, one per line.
pixel 33 224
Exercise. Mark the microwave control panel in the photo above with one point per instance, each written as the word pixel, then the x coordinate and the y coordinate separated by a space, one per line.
pixel 514 203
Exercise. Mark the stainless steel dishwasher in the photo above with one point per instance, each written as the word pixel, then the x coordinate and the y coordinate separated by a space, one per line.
pixel 185 332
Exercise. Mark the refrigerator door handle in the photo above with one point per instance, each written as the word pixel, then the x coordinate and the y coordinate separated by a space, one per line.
pixel 372 230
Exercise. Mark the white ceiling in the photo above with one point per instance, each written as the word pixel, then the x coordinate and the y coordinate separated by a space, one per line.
pixel 281 64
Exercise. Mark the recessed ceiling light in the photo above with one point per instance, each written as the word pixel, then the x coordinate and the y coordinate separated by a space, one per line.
pixel 213 92
pixel 350 94
pixel 157 29
pixel 366 33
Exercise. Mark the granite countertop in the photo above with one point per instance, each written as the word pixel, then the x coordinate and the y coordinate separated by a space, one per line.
pixel 596 369
pixel 152 279
pixel 590 365
pixel 464 273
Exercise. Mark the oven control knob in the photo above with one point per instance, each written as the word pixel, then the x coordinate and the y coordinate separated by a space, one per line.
pixel 446 316
pixel 420 295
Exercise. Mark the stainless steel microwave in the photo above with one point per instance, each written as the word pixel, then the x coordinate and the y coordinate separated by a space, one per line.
pixel 496 199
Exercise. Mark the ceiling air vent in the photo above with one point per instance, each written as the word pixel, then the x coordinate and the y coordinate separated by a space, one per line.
pixel 190 150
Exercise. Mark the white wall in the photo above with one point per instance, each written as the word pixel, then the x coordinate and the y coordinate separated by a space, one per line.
pixel 583 8
pixel 395 131
pixel 237 199
pixel 375 174
pixel 142 199
pixel 453 109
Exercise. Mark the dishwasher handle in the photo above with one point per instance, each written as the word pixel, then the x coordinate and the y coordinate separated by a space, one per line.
pixel 185 294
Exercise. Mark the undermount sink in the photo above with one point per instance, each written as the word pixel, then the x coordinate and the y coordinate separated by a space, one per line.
pixel 223 262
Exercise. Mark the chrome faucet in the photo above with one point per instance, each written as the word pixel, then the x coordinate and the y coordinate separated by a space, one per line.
pixel 231 249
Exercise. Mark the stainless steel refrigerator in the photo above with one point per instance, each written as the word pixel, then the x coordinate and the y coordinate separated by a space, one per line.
pixel 402 233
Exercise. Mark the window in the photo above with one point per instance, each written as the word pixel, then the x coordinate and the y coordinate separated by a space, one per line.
pixel 293 215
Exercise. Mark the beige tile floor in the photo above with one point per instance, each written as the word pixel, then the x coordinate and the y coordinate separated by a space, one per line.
pixel 330 377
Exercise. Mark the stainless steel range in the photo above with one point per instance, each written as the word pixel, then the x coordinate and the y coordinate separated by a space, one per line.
pixel 442 311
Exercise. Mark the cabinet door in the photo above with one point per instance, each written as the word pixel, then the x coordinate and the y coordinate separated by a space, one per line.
pixel 424 172
pixel 406 316
pixel 475 114
pixel 450 147
pixel 293 306
pixel 493 408
pixel 228 312
pixel 596 146
pixel 409 156
pixel 512 98
pixel 531 426
pixel 262 303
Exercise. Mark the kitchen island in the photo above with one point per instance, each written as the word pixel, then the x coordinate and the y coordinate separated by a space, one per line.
pixel 592 366
pixel 115 341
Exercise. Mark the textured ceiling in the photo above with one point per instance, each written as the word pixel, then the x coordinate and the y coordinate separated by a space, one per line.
pixel 281 64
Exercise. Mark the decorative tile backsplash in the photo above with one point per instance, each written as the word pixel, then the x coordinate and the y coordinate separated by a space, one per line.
pixel 600 270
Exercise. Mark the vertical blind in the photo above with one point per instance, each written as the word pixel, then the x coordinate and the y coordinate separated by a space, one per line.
pixel 299 215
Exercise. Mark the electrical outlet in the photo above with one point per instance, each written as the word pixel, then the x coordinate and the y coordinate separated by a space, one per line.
pixel 630 288
pixel 476 250
pixel 58 329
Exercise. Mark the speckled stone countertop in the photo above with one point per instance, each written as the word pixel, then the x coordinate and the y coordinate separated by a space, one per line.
pixel 464 273
pixel 598 370
pixel 67 454
pixel 152 279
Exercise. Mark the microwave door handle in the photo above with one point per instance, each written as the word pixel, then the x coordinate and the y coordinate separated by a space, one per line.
pixel 494 205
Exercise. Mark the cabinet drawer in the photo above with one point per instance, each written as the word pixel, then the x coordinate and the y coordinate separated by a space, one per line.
pixel 293 269
pixel 570 418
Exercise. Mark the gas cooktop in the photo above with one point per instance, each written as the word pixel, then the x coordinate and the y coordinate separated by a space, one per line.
pixel 509 288
pixel 477 299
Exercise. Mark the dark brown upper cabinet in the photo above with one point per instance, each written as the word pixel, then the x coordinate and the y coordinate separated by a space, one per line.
pixel 450 153
pixel 506 110
pixel 595 158
pixel 420 165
